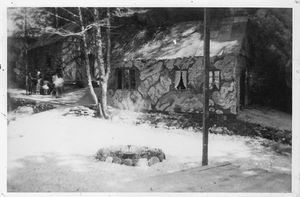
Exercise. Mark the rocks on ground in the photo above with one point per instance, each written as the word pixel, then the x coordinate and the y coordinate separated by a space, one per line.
pixel 82 111
pixel 24 110
pixel 130 155
pixel 25 106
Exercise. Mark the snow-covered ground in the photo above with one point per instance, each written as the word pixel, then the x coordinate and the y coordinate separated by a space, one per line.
pixel 50 151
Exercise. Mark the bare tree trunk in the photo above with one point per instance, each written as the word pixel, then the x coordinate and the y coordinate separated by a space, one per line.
pixel 87 63
pixel 100 61
pixel 108 44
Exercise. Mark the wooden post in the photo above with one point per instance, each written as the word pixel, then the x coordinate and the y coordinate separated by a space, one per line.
pixel 205 87
pixel 26 41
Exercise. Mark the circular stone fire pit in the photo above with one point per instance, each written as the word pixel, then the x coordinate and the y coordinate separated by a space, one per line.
pixel 131 155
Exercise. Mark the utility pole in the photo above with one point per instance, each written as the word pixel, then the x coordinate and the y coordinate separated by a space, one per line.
pixel 25 39
pixel 205 87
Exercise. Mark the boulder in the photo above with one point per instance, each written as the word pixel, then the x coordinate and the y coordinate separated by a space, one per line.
pixel 161 156
pixel 24 110
pixel 128 162
pixel 117 160
pixel 142 162
pixel 219 130
pixel 153 160
pixel 109 159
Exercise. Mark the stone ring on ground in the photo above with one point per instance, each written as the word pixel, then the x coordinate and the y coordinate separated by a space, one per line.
pixel 131 155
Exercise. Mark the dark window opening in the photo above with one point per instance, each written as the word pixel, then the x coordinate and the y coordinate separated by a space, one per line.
pixel 126 78
pixel 181 79
pixel 119 78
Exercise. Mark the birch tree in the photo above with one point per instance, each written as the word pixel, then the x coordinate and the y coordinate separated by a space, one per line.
pixel 95 26
pixel 104 69
pixel 92 23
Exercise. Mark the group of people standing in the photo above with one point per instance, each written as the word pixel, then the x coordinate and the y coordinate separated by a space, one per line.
pixel 40 85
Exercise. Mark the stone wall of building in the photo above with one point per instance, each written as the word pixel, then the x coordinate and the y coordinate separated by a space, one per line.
pixel 71 59
pixel 156 86
pixel 64 57
pixel 46 59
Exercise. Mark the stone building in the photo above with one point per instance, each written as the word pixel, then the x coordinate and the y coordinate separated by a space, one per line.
pixel 53 53
pixel 165 73
pixel 161 72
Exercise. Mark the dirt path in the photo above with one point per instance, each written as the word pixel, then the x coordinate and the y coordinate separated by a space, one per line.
pixel 264 117
pixel 268 118
pixel 69 99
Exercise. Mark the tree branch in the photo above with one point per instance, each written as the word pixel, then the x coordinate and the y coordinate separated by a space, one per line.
pixel 69 12
pixel 63 18
pixel 65 33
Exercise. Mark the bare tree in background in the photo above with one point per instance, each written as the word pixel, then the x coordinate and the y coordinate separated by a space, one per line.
pixel 87 63
pixel 104 69
pixel 90 22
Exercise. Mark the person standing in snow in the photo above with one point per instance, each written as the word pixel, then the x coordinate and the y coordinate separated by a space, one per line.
pixel 28 82
pixel 39 82
pixel 58 82
pixel 45 87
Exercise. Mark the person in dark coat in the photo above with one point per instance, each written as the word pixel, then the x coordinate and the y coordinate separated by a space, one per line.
pixel 29 83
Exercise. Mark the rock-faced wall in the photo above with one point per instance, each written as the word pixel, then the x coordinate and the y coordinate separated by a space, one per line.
pixel 64 57
pixel 71 58
pixel 46 59
pixel 157 85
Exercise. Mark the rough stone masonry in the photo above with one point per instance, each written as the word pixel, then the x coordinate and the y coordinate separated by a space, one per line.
pixel 156 89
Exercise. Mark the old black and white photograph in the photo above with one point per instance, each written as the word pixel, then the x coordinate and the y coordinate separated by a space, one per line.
pixel 150 99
